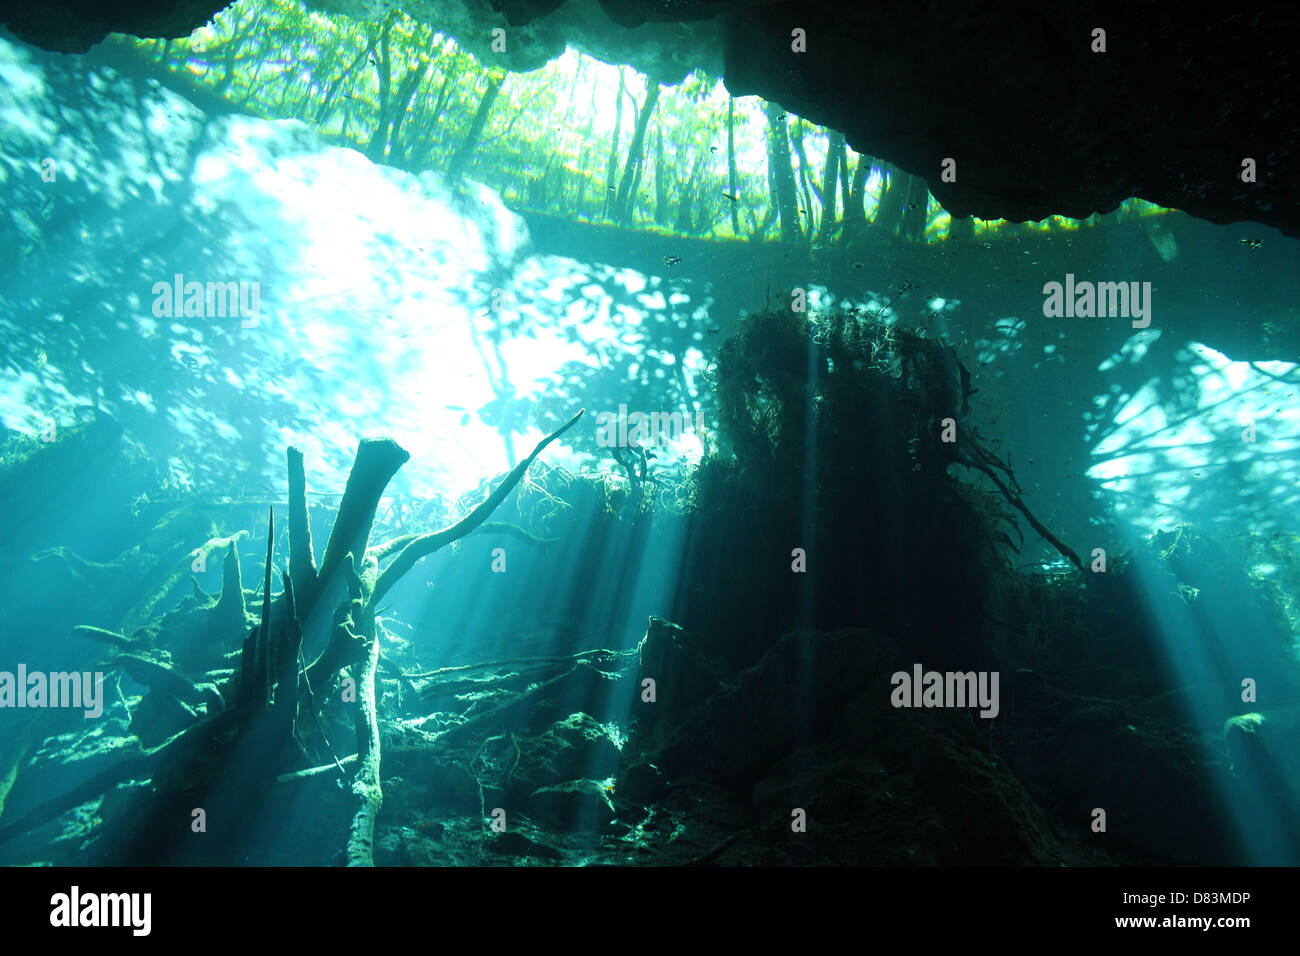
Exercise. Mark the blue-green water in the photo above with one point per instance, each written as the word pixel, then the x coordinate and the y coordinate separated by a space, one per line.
pixel 1113 525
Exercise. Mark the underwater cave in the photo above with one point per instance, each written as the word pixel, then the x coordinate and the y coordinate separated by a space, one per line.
pixel 594 433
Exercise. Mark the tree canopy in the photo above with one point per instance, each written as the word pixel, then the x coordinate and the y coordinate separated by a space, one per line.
pixel 579 138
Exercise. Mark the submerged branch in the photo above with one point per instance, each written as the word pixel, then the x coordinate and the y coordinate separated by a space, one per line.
pixel 426 544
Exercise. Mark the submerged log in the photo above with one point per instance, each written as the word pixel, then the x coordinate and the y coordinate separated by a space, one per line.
pixel 419 546
pixel 376 462
pixel 366 787
pixel 271 676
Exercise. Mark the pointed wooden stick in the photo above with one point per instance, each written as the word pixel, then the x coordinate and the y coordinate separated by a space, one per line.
pixel 262 657
pixel 230 606
pixel 302 562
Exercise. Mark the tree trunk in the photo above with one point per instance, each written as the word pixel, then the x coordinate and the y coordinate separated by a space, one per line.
pixel 915 210
pixel 893 200
pixel 327 100
pixel 466 150
pixel 378 144
pixel 760 231
pixel 612 164
pixel 778 158
pixel 845 177
pixel 731 166
pixel 636 186
pixel 830 175
pixel 855 210
pixel 661 182
pixel 402 104
pixel 806 214
pixel 687 221
pixel 444 91
pixel 631 169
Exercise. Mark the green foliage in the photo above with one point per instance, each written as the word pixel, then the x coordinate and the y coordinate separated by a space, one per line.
pixel 407 94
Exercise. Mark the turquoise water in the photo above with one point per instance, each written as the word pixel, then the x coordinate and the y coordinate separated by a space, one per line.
pixel 188 290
